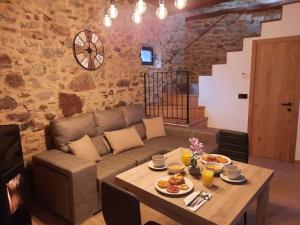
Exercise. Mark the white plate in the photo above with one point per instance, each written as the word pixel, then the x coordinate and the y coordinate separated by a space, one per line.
pixel 181 192
pixel 241 179
pixel 229 160
pixel 151 166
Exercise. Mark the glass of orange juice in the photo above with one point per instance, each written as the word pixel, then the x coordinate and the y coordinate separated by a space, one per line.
pixel 186 156
pixel 207 176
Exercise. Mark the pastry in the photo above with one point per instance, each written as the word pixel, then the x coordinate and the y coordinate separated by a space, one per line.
pixel 176 179
pixel 163 184
pixel 183 186
pixel 173 189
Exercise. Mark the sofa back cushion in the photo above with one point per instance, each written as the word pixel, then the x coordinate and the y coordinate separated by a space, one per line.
pixel 133 114
pixel 66 130
pixel 109 120
pixel 101 144
pixel 140 128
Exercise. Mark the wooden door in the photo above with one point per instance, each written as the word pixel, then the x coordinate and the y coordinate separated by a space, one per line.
pixel 274 98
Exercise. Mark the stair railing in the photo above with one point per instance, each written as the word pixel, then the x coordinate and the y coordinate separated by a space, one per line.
pixel 167 95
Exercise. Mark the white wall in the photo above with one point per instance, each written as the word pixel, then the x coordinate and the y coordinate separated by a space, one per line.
pixel 219 92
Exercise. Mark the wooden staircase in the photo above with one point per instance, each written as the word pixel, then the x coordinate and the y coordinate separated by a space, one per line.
pixel 175 111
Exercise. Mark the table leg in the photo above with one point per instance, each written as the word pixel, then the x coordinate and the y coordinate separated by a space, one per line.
pixel 262 205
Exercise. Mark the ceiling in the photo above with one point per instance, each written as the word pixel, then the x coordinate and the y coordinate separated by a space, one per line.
pixel 191 4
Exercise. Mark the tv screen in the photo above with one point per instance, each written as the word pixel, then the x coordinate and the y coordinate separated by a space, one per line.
pixel 147 55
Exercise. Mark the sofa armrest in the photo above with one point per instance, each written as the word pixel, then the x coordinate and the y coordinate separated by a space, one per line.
pixel 67 184
pixel 206 137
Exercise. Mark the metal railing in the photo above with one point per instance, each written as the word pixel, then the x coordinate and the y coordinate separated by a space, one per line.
pixel 167 94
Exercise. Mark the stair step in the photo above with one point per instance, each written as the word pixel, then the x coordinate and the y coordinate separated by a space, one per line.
pixel 201 122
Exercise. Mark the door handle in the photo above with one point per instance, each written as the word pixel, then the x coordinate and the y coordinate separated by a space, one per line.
pixel 287 104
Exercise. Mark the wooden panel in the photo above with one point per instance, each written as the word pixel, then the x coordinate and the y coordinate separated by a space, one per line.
pixel 237 198
pixel 275 80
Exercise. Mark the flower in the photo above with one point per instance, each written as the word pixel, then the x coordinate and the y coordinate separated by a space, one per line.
pixel 196 146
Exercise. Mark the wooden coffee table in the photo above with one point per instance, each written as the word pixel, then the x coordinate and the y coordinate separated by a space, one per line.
pixel 227 205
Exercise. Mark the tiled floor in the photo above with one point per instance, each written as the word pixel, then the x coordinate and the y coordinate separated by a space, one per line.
pixel 284 207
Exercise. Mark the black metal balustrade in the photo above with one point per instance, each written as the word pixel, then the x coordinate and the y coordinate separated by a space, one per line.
pixel 167 94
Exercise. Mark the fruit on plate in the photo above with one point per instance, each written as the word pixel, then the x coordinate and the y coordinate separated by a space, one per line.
pixel 173 189
pixel 176 179
pixel 221 159
pixel 183 186
pixel 163 184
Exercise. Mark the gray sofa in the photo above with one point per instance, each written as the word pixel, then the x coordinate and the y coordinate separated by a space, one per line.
pixel 71 186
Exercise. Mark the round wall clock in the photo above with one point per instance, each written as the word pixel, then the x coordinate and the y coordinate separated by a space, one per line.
pixel 88 50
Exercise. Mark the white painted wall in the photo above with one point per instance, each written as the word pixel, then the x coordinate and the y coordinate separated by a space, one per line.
pixel 219 92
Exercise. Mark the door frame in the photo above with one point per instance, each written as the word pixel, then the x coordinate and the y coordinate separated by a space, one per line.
pixel 252 86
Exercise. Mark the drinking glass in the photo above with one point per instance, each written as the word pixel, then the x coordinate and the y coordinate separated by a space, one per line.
pixel 186 156
pixel 207 176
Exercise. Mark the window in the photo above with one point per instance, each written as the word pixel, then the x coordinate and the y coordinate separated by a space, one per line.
pixel 147 55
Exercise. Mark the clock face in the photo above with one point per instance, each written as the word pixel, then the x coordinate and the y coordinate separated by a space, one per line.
pixel 88 50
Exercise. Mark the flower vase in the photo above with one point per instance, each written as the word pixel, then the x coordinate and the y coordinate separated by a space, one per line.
pixel 194 170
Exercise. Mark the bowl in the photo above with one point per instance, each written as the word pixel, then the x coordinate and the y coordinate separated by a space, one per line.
pixel 175 168
pixel 217 167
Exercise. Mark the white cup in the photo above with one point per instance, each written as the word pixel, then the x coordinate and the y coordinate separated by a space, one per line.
pixel 159 160
pixel 233 171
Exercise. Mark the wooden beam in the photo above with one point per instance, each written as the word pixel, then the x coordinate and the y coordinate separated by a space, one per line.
pixel 243 9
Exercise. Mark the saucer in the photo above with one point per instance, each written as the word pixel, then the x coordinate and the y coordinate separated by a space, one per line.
pixel 151 166
pixel 241 179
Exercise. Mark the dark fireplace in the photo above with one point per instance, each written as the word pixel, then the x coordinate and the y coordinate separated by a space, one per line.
pixel 13 208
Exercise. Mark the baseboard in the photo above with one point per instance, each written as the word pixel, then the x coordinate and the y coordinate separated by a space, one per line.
pixel 297 161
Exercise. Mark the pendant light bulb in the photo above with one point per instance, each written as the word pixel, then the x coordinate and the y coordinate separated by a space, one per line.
pixel 137 17
pixel 113 11
pixel 107 21
pixel 141 7
pixel 180 4
pixel 162 11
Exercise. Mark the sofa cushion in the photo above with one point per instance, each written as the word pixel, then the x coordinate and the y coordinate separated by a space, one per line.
pixel 140 128
pixel 111 165
pixel 142 154
pixel 101 145
pixel 154 127
pixel 84 148
pixel 122 140
pixel 70 129
pixel 109 120
pixel 133 113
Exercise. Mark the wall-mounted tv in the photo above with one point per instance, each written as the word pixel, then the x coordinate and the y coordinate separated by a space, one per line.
pixel 147 57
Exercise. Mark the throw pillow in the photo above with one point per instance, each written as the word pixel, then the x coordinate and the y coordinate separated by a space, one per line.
pixel 122 140
pixel 154 127
pixel 85 148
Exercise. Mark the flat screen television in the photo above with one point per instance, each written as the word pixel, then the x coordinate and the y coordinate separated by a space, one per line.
pixel 147 55
pixel 13 210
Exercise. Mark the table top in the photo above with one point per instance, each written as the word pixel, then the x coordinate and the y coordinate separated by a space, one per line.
pixel 228 202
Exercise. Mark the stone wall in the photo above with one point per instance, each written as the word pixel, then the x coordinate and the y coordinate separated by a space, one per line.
pixel 39 77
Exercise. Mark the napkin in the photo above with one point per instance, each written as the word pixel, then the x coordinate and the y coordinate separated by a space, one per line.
pixel 191 197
